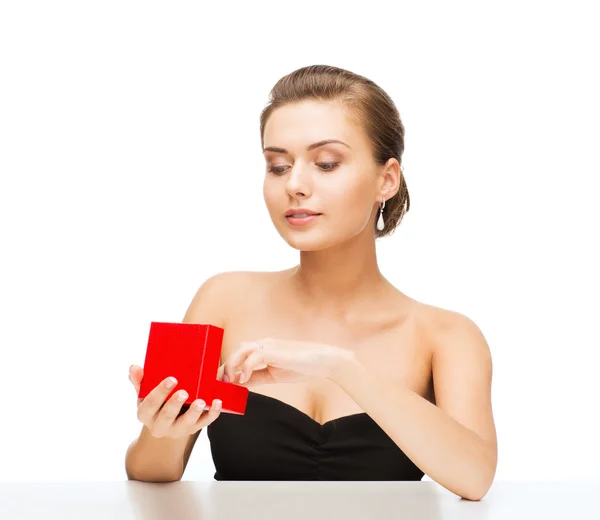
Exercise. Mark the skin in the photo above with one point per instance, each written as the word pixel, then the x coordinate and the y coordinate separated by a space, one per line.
pixel 337 328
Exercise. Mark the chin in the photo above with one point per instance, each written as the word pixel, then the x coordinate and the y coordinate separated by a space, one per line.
pixel 306 245
pixel 313 241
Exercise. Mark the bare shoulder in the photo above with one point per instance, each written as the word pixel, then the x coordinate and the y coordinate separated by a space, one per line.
pixel 454 333
pixel 219 294
pixel 447 321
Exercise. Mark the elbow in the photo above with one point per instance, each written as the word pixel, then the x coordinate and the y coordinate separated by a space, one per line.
pixel 480 485
pixel 144 471
pixel 153 478
pixel 477 490
pixel 475 494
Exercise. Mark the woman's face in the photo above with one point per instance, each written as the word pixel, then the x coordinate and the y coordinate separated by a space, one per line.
pixel 338 181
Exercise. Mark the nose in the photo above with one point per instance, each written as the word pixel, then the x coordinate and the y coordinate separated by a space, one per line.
pixel 298 181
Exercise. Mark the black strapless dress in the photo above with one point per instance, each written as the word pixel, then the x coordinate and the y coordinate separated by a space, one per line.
pixel 276 441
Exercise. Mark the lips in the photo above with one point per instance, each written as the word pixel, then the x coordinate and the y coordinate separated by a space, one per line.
pixel 302 221
pixel 300 211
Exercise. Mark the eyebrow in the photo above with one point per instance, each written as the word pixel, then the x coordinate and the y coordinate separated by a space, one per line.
pixel 308 148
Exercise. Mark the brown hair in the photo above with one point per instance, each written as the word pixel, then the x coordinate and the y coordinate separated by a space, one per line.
pixel 367 104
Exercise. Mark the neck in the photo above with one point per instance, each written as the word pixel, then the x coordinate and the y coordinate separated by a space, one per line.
pixel 340 280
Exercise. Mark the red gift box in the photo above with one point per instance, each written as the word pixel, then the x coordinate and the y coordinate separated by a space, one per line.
pixel 190 352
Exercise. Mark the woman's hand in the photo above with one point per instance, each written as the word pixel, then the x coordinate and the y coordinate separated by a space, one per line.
pixel 164 419
pixel 272 360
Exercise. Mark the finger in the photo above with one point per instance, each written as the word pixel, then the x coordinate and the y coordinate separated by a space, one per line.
pixel 252 362
pixel 151 404
pixel 136 373
pixel 260 359
pixel 260 377
pixel 211 415
pixel 186 422
pixel 221 373
pixel 234 362
pixel 190 426
pixel 168 413
pixel 135 376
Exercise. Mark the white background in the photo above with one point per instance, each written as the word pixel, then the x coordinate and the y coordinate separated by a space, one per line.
pixel 131 171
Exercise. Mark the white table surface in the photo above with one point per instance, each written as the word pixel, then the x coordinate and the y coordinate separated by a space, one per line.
pixel 294 500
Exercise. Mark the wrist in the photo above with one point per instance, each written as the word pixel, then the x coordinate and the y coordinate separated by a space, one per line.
pixel 345 364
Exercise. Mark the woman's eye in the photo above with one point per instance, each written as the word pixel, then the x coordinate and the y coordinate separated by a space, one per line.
pixel 275 169
pixel 324 166
pixel 327 166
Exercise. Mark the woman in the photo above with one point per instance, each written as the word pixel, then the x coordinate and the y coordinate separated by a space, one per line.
pixel 350 379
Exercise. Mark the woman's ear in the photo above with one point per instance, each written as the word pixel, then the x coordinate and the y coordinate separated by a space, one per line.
pixel 391 179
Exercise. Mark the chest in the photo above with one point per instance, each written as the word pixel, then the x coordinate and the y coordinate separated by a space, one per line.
pixel 395 345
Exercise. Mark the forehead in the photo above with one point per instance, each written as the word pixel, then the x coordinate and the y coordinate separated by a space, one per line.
pixel 296 125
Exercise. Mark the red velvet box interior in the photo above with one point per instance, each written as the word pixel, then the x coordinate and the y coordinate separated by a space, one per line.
pixel 190 352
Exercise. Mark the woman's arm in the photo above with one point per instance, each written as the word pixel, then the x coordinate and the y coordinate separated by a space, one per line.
pixel 164 459
pixel 453 442
pixel 150 459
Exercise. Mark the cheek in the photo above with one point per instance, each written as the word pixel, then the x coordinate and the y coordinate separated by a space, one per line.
pixel 274 201
pixel 268 194
pixel 353 200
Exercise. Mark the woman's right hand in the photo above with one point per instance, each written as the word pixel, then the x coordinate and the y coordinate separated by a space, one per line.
pixel 166 421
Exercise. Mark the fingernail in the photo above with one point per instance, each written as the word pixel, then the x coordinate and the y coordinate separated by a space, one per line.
pixel 181 397
pixel 200 405
pixel 225 378
pixel 171 382
pixel 217 403
pixel 242 378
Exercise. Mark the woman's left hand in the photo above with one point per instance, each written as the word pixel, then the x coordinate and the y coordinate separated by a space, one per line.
pixel 272 360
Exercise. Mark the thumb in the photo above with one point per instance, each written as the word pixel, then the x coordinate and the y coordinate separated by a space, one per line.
pixel 135 376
